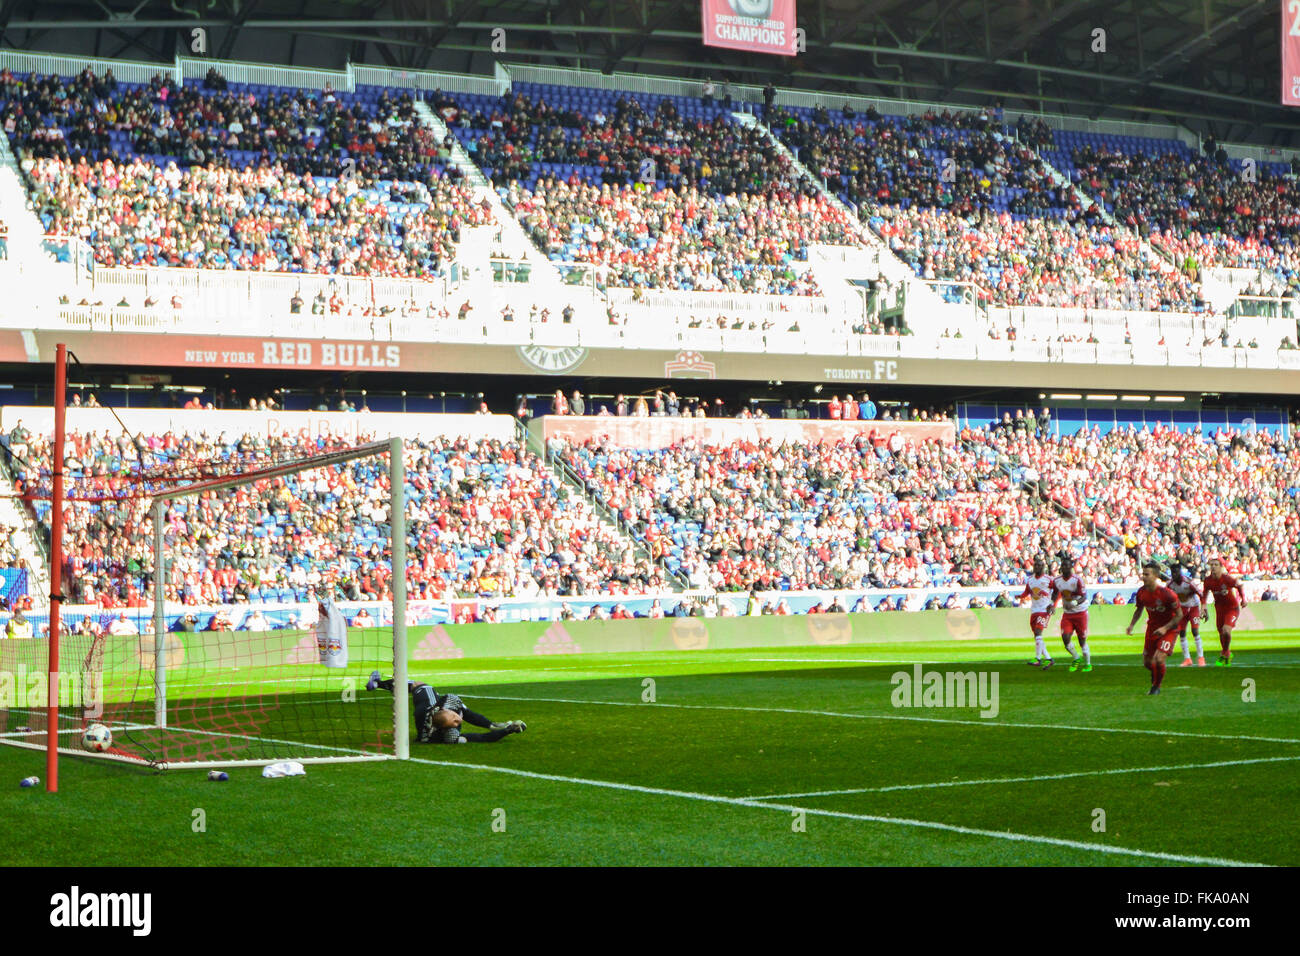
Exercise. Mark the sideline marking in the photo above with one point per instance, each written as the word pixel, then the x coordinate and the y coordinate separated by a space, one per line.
pixel 861 817
pixel 1047 776
pixel 930 720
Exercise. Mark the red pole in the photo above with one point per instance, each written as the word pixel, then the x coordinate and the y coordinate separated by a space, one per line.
pixel 56 569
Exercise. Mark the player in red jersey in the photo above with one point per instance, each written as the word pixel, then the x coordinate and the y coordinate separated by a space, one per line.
pixel 1163 615
pixel 1073 594
pixel 1190 600
pixel 1038 588
pixel 1229 599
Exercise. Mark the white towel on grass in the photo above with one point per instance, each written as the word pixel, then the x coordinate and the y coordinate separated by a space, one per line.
pixel 286 768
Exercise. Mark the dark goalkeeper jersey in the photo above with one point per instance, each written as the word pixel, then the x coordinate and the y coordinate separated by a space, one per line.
pixel 428 702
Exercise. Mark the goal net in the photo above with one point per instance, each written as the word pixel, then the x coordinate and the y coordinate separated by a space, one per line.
pixel 25 688
pixel 225 604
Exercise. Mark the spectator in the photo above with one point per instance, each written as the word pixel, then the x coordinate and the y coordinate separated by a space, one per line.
pixel 18 627
pixel 255 622
pixel 122 626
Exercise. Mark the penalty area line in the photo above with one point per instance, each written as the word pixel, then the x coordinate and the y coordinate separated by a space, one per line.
pixel 841 815
pixel 927 720
pixel 1034 779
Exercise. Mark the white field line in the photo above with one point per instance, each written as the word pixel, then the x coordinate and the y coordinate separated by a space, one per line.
pixel 310 680
pixel 18 735
pixel 204 683
pixel 835 814
pixel 1000 780
pixel 1061 661
pixel 929 720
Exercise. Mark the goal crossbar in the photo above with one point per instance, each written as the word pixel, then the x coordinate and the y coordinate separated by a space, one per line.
pixel 277 471
pixel 393 448
pixel 61 739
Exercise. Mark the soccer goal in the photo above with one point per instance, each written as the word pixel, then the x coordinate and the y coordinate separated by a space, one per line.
pixel 212 627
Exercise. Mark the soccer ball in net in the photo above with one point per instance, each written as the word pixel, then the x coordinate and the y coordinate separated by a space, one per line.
pixel 97 738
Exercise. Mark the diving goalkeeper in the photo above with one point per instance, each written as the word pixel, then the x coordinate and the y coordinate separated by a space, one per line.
pixel 438 717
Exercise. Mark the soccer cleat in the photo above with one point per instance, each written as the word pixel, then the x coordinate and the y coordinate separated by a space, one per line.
pixel 1087 668
pixel 1200 662
pixel 374 680
pixel 1048 663
pixel 500 724
pixel 1187 662
pixel 1075 665
pixel 516 727
pixel 1034 663
pixel 1153 691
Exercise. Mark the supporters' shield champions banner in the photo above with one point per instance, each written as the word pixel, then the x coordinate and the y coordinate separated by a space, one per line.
pixel 760 26
pixel 1291 52
pixel 332 635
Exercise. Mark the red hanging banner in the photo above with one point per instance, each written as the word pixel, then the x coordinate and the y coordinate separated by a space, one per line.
pixel 1291 52
pixel 759 26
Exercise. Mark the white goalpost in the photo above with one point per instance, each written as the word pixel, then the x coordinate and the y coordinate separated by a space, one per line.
pixel 298 750
pixel 180 684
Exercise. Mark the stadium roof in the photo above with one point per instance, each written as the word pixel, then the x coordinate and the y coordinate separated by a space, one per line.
pixel 1212 65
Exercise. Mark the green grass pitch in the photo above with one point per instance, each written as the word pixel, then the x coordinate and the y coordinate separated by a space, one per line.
pixel 746 757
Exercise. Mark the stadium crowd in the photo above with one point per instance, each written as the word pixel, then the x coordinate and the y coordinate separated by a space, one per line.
pixel 484 517
pixel 660 202
pixel 957 198
pixel 490 520
pixel 159 175
pixel 353 184
pixel 876 512
pixel 1205 210
pixel 683 239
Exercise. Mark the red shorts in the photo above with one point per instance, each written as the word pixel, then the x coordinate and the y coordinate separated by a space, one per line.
pixel 1160 642
pixel 1038 622
pixel 1225 616
pixel 1075 622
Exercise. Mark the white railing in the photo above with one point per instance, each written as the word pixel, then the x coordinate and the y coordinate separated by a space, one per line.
pixel 292 77
pixel 234 290
pixel 1263 306
pixel 428 81
pixel 747 94
pixel 704 304
pixel 118 320
pixel 1261 154
pixel 274 319
pixel 624 82
pixel 126 71
pixel 420 81
pixel 1111 326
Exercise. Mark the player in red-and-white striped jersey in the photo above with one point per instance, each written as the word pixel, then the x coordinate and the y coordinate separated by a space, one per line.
pixel 1190 597
pixel 1038 588
pixel 1229 599
pixel 1073 594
